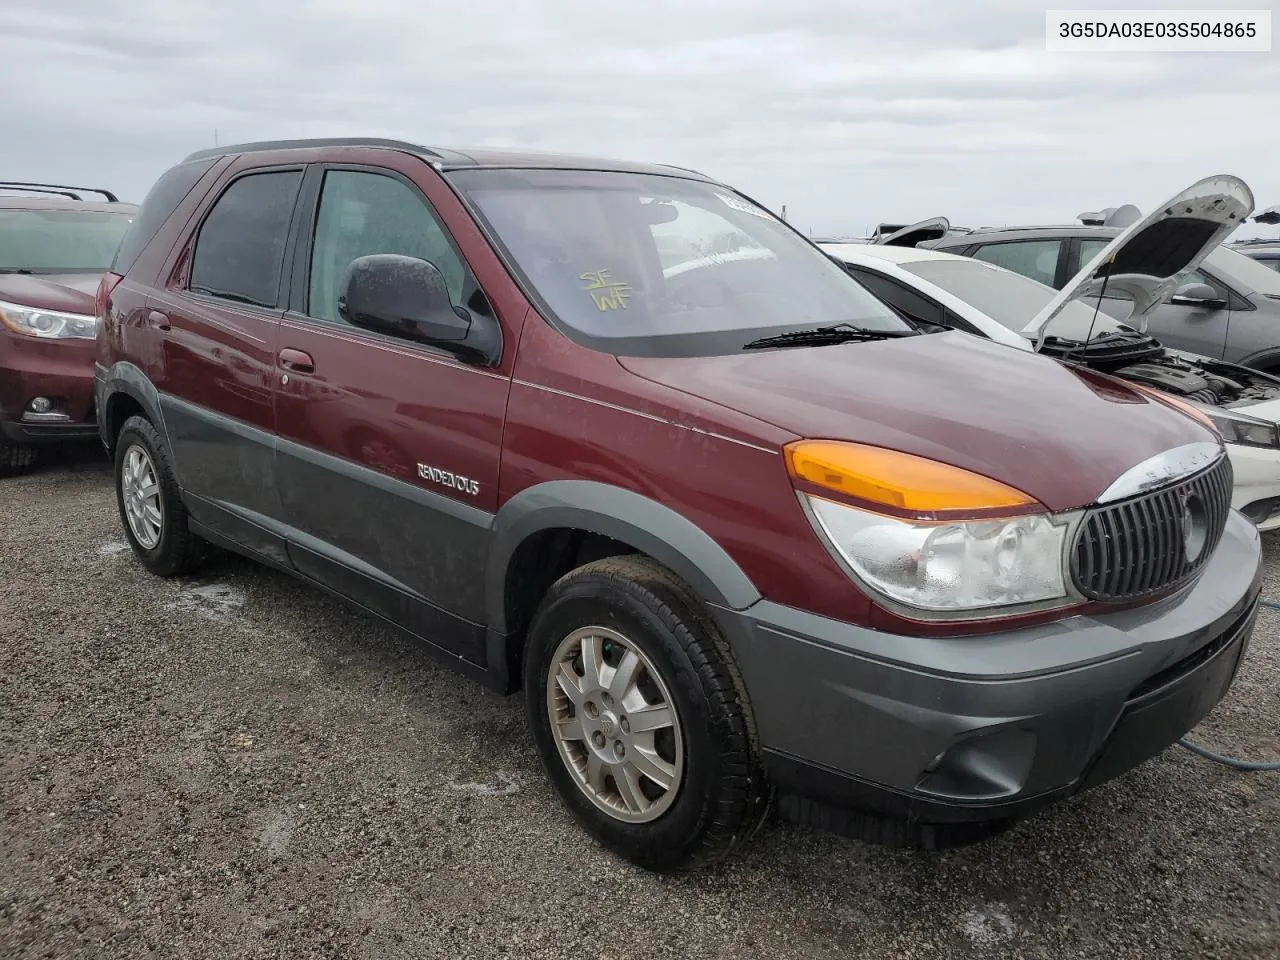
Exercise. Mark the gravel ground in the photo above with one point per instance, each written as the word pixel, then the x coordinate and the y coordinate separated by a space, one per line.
pixel 238 766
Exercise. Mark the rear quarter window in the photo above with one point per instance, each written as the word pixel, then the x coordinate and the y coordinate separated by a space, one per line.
pixel 158 205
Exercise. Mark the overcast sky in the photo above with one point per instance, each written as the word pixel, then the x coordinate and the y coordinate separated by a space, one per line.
pixel 847 112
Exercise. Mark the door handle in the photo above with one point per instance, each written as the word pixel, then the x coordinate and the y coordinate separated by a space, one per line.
pixel 296 360
pixel 158 319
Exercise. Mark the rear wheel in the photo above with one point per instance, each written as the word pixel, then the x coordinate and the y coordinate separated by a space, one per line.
pixel 15 457
pixel 640 717
pixel 151 508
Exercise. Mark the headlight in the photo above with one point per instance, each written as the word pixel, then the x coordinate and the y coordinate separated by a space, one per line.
pixel 973 567
pixel 943 542
pixel 1238 427
pixel 51 324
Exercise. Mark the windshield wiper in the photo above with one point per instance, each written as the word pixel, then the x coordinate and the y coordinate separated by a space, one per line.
pixel 823 336
pixel 22 270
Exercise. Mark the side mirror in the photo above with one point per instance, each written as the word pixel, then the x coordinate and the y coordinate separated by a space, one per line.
pixel 407 297
pixel 1196 295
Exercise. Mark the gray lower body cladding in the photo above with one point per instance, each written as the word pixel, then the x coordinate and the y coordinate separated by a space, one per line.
pixel 992 726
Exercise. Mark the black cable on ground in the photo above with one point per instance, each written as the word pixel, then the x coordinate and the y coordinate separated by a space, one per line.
pixel 1246 765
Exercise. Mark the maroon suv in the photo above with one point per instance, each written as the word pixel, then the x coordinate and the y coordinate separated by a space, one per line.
pixel 54 248
pixel 614 434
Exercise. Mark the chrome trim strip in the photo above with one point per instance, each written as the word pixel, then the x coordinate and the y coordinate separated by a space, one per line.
pixel 1163 468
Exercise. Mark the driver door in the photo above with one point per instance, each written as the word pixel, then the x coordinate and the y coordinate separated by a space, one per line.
pixel 388 450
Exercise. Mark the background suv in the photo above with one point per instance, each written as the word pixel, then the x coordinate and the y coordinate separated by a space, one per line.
pixel 613 434
pixel 1228 308
pixel 54 248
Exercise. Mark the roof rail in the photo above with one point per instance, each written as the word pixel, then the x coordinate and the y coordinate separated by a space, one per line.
pixel 261 145
pixel 59 189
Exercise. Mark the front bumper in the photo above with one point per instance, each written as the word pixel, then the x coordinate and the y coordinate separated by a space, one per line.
pixel 1257 483
pixel 61 370
pixel 951 730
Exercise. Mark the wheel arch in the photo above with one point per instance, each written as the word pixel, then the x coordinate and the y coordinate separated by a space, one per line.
pixel 549 529
pixel 126 390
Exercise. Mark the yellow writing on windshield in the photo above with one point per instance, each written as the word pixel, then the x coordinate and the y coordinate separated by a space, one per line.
pixel 608 294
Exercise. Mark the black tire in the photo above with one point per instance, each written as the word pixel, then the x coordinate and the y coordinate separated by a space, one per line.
pixel 15 457
pixel 722 797
pixel 178 551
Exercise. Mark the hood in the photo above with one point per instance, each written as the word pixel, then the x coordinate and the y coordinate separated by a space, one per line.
pixel 1061 434
pixel 1148 258
pixel 934 228
pixel 69 292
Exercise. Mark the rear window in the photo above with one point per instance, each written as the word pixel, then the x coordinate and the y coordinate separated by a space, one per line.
pixel 161 200
pixel 60 241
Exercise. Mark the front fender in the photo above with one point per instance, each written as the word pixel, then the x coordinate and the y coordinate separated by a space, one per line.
pixel 636 520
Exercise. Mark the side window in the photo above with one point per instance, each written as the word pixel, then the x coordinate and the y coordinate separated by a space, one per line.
pixel 900 297
pixel 240 249
pixel 1037 259
pixel 362 214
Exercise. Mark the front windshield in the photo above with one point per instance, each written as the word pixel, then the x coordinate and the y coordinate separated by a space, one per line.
pixel 1011 299
pixel 656 265
pixel 1245 271
pixel 60 241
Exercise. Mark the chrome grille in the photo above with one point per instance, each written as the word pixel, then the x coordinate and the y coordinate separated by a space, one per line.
pixel 1138 546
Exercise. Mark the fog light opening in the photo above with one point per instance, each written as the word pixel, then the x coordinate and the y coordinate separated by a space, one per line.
pixel 40 405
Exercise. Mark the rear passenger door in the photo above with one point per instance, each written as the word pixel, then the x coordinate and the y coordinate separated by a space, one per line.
pixel 219 317
pixel 388 451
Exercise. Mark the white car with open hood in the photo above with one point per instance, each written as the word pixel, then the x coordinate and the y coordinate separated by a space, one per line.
pixel 1144 262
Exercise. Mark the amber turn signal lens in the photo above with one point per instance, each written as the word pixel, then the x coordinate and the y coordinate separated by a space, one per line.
pixel 900 480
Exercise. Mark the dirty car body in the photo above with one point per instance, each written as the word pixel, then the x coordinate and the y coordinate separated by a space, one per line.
pixel 619 437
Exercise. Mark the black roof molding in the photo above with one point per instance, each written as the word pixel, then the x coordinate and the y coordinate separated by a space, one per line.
pixel 58 189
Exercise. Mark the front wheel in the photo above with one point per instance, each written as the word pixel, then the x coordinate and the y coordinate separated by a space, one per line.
pixel 640 716
pixel 150 504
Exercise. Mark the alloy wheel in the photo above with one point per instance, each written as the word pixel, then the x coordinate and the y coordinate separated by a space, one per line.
pixel 140 493
pixel 615 724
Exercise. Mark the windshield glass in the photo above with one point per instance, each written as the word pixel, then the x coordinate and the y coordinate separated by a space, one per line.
pixel 663 266
pixel 60 241
pixel 1245 271
pixel 1010 298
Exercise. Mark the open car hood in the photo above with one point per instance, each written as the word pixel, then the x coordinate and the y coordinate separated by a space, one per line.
pixel 1147 260
pixel 913 234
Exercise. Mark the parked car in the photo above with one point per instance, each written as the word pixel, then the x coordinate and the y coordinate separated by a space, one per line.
pixel 1266 252
pixel 737 530
pixel 1227 308
pixel 54 247
pixel 932 287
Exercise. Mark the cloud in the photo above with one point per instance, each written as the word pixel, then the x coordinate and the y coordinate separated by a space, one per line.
pixel 849 113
